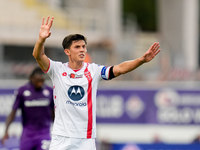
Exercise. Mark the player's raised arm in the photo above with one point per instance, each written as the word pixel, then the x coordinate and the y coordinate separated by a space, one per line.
pixel 38 51
pixel 128 66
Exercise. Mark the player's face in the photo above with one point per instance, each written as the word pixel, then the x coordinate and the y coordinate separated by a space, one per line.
pixel 77 51
pixel 38 81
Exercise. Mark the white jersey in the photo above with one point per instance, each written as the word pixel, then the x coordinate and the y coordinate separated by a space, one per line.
pixel 75 98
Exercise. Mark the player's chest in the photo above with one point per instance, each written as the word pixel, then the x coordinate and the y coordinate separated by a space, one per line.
pixel 35 98
pixel 69 77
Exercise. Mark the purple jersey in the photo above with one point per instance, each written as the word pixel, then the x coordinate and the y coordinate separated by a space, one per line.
pixel 36 107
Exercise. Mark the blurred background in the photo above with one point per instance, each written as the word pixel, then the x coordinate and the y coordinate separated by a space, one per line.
pixel 159 102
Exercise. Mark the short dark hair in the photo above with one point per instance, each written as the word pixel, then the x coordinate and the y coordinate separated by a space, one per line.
pixel 67 41
pixel 37 70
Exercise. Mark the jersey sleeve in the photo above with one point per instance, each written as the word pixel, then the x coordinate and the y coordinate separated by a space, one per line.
pixel 105 73
pixel 53 66
pixel 18 99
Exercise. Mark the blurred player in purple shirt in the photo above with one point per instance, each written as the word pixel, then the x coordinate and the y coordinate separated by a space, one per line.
pixel 35 99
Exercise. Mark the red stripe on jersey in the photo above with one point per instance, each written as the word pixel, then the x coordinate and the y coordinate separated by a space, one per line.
pixel 89 102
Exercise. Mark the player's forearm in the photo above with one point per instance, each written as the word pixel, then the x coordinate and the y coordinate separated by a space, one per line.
pixel 127 66
pixel 38 50
pixel 39 54
pixel 7 125
pixel 9 120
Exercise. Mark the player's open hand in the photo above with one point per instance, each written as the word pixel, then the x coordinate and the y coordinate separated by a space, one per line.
pixel 152 52
pixel 45 27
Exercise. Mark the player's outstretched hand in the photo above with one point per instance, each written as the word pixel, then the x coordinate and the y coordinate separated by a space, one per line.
pixel 152 52
pixel 45 27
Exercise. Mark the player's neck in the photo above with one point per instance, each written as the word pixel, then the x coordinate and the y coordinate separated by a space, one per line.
pixel 75 65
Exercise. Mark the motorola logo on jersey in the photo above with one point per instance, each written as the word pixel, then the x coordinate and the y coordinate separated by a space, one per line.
pixel 76 93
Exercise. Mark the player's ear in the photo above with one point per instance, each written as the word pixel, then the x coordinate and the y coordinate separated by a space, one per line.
pixel 67 51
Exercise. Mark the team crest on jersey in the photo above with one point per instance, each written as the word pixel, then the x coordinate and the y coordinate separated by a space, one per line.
pixel 46 92
pixel 76 93
pixel 27 93
pixel 75 76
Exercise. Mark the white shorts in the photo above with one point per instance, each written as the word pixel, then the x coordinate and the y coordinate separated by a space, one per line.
pixel 67 143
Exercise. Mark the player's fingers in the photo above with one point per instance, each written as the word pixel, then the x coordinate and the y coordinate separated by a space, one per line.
pixel 153 46
pixel 51 22
pixel 47 20
pixel 43 21
pixel 156 48
pixel 157 52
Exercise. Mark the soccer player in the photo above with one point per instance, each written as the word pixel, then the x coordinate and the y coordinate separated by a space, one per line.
pixel 35 99
pixel 75 86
